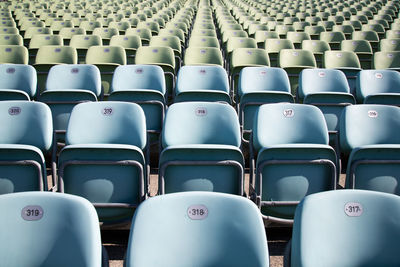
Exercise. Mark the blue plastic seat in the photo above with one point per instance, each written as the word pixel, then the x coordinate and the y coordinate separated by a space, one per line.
pixel 49 229
pixel 202 83
pixel 329 90
pixel 66 86
pixel 257 86
pixel 17 82
pixel 201 149
pixel 369 136
pixel 292 158
pixel 378 87
pixel 347 228
pixel 144 85
pixel 104 159
pixel 199 228
pixel 26 137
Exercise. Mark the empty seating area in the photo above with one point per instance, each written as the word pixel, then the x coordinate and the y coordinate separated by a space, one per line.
pixel 177 118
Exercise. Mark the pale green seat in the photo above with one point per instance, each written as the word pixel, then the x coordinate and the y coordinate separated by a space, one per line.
pixel 387 60
pixel 82 42
pixel 314 31
pixel 346 61
pixel 334 39
pixel 363 50
pixel 327 24
pixel 67 32
pixel 346 29
pixel 369 137
pixel 378 87
pixel 104 160
pixel 122 26
pixel 144 34
pixel 106 34
pixel 262 36
pixel 347 219
pixel 257 86
pixel 293 61
pixel 215 239
pixel 203 56
pixel 274 46
pixel 14 54
pixel 106 58
pixel 11 39
pixel 26 138
pixel 66 86
pixel 50 55
pixel 202 83
pixel 144 85
pixel 67 226
pixel 39 40
pixel 201 149
pixel 161 56
pixel 130 43
pixel 31 31
pixel 17 82
pixel 203 41
pixel 318 48
pixel 56 26
pixel 387 45
pixel 297 38
pixel 172 42
pixel 371 36
pixel 90 25
pixel 292 158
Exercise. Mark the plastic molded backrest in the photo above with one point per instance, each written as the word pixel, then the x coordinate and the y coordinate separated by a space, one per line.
pixel 107 123
pixel 389 45
pixel 74 76
pixel 362 125
pixel 276 45
pixel 372 82
pixel 322 81
pixel 11 39
pixel 131 77
pixel 109 55
pixel 201 123
pixel 197 228
pixel 13 54
pixel 203 56
pixel 315 45
pixel 341 60
pixel 18 77
pixel 256 79
pixel 283 123
pixel 39 40
pixel 54 54
pixel 361 226
pixel 27 123
pixel 387 60
pixel 67 227
pixel 156 55
pixel 296 58
pixel 85 41
pixel 202 78
pixel 249 57
pixel 357 46
pixel 126 41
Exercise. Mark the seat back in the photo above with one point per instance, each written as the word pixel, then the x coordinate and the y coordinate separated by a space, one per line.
pixel 201 215
pixel 387 60
pixel 67 225
pixel 346 220
pixel 373 85
pixel 13 54
pixel 20 79
pixel 203 56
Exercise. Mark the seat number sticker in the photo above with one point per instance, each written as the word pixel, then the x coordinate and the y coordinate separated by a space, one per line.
pixel 201 111
pixel 288 113
pixel 32 213
pixel 372 113
pixel 107 111
pixel 197 212
pixel 353 209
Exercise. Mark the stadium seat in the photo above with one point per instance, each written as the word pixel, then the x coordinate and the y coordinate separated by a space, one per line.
pixel 106 58
pixel 130 43
pixel 346 61
pixel 203 56
pixel 239 240
pixel 200 142
pixel 26 138
pixel 378 87
pixel 333 39
pixel 274 46
pixel 17 82
pixel 369 137
pixel 66 86
pixel 347 219
pixel 202 83
pixel 387 60
pixel 144 85
pixel 292 158
pixel 257 86
pixel 293 61
pixel 82 42
pixel 67 226
pixel 104 159
pixel 387 45
pixel 13 54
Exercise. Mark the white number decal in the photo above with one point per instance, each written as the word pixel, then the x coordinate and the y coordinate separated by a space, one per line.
pixel 32 213
pixel 197 212
pixel 353 209
pixel 372 113
pixel 107 111
pixel 288 113
pixel 14 111
pixel 201 112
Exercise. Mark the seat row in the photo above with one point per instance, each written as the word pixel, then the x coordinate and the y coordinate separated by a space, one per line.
pixel 105 158
pixel 196 225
